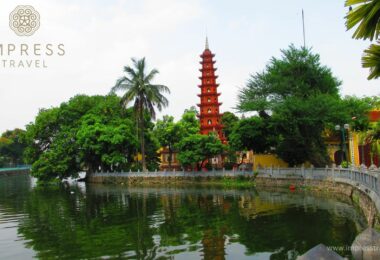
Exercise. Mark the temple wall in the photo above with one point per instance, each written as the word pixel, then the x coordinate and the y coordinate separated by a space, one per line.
pixel 266 160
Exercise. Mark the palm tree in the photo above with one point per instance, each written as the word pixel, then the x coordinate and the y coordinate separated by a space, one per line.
pixel 371 60
pixel 146 96
pixel 366 16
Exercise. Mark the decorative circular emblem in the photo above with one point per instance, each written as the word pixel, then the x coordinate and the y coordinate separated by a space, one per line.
pixel 24 20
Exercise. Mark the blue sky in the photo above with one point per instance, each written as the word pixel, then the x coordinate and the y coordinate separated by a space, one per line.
pixel 101 36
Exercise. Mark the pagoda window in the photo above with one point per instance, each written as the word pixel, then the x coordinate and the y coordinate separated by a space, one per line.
pixel 208 90
pixel 209 100
pixel 209 110
pixel 209 122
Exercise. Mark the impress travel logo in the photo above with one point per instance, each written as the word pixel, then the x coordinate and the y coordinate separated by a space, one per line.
pixel 25 21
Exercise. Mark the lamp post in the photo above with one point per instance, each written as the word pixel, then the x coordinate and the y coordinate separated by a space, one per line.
pixel 343 138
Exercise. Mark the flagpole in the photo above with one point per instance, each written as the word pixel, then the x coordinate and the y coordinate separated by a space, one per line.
pixel 303 27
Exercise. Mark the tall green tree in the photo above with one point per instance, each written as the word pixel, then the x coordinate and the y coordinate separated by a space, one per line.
pixel 365 16
pixel 145 96
pixel 301 98
pixel 298 73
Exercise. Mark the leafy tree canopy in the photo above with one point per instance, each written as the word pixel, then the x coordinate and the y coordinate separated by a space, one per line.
pixel 299 98
pixel 189 121
pixel 87 133
pixel 298 73
pixel 254 133
pixel 196 148
pixel 170 133
pixel 12 145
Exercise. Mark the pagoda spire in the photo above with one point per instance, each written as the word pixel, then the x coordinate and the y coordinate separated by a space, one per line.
pixel 210 117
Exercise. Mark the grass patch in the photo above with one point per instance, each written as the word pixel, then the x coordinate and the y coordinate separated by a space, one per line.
pixel 239 182
pixel 355 199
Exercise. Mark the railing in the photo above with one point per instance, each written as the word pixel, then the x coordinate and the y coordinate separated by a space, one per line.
pixel 211 173
pixel 15 169
pixel 363 177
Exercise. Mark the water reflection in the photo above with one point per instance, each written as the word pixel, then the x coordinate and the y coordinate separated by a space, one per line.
pixel 165 222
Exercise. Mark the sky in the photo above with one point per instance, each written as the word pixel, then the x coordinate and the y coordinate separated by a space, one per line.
pixel 100 37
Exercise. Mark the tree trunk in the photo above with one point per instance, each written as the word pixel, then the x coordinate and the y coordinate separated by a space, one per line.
pixel 142 138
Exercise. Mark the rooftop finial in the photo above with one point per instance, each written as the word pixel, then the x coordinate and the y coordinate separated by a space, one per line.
pixel 206 43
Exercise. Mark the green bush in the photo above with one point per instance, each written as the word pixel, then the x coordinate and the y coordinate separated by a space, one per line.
pixel 345 164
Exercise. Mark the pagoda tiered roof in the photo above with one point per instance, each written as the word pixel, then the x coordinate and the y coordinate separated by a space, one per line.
pixel 208 94
pixel 209 104
pixel 209 121
pixel 209 76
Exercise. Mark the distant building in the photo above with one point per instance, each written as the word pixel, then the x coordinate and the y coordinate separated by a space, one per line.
pixel 164 160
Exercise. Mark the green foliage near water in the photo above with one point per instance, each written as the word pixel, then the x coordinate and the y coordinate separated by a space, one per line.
pixel 193 149
pixel 12 145
pixel 239 182
pixel 87 133
pixel 170 133
pixel 196 148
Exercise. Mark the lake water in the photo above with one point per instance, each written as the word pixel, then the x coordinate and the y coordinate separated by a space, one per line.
pixel 99 221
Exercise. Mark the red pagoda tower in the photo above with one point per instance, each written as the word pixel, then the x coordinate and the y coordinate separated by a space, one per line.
pixel 209 116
